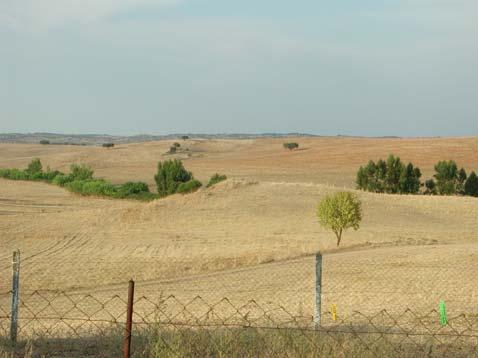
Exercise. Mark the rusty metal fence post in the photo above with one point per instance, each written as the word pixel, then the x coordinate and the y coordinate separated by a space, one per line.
pixel 15 295
pixel 129 321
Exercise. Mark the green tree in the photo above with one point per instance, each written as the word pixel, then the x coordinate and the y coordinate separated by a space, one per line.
pixel 395 168
pixel 410 180
pixel 461 179
pixel 34 167
pixel 171 173
pixel 471 185
pixel 340 212
pixel 431 187
pixel 446 177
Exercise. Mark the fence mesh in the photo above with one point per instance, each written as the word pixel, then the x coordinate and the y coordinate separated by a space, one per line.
pixel 367 310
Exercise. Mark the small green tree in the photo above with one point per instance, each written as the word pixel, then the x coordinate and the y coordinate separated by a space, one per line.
pixel 176 144
pixel 446 177
pixel 471 185
pixel 184 137
pixel 340 212
pixel 395 168
pixel 34 167
pixel 410 180
pixel 171 173
pixel 431 187
pixel 461 179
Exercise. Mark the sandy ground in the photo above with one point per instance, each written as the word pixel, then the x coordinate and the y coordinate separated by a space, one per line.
pixel 251 237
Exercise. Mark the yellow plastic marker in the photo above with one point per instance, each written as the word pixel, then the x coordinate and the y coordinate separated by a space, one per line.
pixel 333 310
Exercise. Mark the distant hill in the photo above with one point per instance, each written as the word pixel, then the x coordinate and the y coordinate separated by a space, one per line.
pixel 97 139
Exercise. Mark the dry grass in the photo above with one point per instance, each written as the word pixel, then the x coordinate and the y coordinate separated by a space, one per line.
pixel 248 237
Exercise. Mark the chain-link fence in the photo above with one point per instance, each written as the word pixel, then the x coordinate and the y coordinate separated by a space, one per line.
pixel 366 309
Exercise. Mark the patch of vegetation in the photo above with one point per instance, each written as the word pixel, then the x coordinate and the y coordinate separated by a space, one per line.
pixel 172 149
pixel 176 144
pixel 108 145
pixel 81 181
pixel 216 178
pixel 170 174
pixel 471 185
pixel 291 146
pixel 44 142
pixel 189 187
pixel 393 177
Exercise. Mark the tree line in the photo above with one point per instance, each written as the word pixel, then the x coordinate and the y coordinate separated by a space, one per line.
pixel 394 177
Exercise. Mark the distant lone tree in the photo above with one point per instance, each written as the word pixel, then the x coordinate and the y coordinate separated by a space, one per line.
pixel 340 212
pixel 291 146
pixel 184 137
pixel 171 173
pixel 471 185
pixel 108 145
pixel 44 142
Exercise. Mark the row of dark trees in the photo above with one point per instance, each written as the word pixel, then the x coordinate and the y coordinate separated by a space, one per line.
pixel 394 177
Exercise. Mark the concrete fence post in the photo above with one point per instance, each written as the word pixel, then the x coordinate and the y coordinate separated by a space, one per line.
pixel 318 289
pixel 129 321
pixel 15 295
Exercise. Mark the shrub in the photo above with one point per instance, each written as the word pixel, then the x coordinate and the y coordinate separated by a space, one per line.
pixel 172 149
pixel 216 178
pixel 291 146
pixel 189 186
pixel 446 177
pixel 108 145
pixel 17 174
pixel 44 142
pixel 394 171
pixel 81 172
pixel 62 179
pixel 171 173
pixel 184 137
pixel 176 144
pixel 34 167
pixel 339 212
pixel 92 187
pixel 132 188
pixel 471 185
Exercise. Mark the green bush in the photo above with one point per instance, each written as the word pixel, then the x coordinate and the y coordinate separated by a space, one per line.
pixel 34 167
pixel 97 187
pixel 171 173
pixel 132 188
pixel 81 172
pixel 431 187
pixel 44 142
pixel 62 179
pixel 291 146
pixel 216 178
pixel 189 187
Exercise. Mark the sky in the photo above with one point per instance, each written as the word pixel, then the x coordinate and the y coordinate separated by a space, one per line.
pixel 126 67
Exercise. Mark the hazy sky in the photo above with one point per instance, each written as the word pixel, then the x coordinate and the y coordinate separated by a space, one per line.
pixel 370 67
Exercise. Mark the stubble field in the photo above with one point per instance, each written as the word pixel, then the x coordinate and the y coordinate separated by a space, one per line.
pixel 251 237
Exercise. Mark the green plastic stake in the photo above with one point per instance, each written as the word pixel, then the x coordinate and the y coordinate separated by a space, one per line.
pixel 443 319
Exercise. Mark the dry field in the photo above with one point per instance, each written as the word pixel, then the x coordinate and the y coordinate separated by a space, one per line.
pixel 251 237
